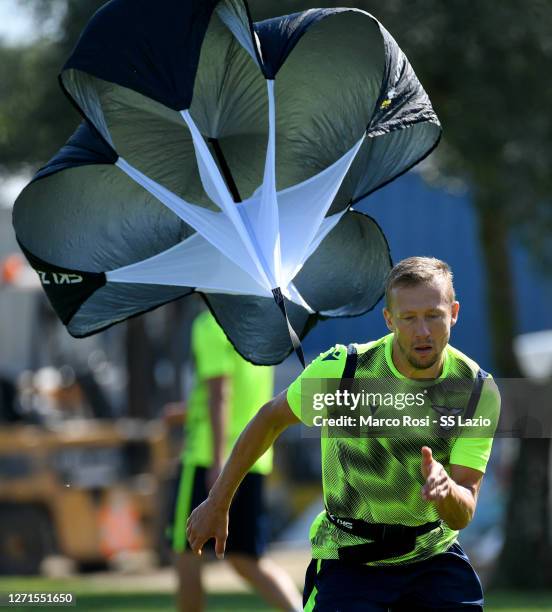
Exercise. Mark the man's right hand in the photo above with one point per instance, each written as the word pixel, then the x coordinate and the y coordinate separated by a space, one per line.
pixel 212 474
pixel 208 521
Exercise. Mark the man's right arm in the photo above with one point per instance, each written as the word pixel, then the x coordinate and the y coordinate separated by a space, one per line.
pixel 210 519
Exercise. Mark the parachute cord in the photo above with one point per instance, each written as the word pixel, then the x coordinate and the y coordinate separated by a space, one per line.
pixel 279 299
pixel 225 169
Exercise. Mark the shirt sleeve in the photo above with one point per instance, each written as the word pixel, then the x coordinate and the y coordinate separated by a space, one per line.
pixel 212 350
pixel 316 379
pixel 469 450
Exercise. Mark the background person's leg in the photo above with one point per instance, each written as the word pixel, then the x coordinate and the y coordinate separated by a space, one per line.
pixel 190 588
pixel 268 579
pixel 247 535
pixel 189 491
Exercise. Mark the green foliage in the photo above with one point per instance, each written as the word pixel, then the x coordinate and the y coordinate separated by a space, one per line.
pixel 35 116
pixel 485 65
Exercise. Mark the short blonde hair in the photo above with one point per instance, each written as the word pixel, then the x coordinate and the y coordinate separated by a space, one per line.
pixel 416 271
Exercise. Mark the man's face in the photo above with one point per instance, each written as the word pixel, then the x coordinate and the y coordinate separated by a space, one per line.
pixel 421 317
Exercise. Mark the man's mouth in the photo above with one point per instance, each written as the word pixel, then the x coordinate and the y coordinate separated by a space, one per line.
pixel 423 349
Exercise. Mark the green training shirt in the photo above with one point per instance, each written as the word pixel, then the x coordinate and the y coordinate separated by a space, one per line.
pixel 250 387
pixel 378 479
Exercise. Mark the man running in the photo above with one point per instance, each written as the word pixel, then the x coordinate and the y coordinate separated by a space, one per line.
pixel 387 539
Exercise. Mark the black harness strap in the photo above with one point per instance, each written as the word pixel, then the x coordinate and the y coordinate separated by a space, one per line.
pixel 388 540
pixel 350 368
pixel 378 531
pixel 279 299
pixel 476 393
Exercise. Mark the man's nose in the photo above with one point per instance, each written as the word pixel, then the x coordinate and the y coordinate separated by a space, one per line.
pixel 422 328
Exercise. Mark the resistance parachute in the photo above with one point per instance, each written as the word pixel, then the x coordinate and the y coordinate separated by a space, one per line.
pixel 222 156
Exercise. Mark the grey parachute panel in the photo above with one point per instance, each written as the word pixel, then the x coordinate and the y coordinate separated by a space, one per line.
pixel 96 314
pixel 255 326
pixel 346 275
pixel 93 218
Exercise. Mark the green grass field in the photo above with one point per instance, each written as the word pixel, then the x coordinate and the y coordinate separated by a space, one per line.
pixel 90 598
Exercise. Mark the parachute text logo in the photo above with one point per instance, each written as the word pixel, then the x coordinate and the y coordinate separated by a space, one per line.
pixel 58 278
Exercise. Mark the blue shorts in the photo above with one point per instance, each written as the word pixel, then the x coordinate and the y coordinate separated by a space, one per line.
pixel 446 581
pixel 247 528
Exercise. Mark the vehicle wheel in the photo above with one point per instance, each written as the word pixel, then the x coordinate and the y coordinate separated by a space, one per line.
pixel 26 538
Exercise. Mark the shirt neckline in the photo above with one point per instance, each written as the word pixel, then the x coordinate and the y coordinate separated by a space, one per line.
pixel 395 371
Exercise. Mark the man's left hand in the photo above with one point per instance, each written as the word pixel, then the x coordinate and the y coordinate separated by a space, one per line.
pixel 437 485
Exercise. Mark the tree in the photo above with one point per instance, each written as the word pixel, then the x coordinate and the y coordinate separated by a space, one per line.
pixel 484 68
pixel 35 116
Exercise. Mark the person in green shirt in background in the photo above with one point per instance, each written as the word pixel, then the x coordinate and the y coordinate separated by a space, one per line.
pixel 394 502
pixel 227 392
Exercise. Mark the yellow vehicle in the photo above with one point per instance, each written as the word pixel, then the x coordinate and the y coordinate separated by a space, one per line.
pixel 88 490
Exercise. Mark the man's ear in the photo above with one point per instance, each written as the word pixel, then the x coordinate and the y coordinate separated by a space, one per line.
pixel 388 319
pixel 455 308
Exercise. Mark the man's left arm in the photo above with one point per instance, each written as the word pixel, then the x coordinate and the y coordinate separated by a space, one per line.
pixel 454 495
